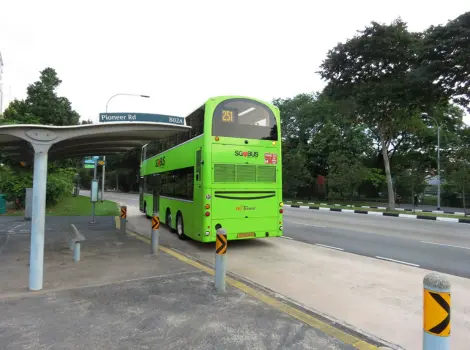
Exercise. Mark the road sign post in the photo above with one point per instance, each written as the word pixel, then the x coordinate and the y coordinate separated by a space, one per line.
pixel 155 233
pixel 123 220
pixel 436 312
pixel 94 192
pixel 220 259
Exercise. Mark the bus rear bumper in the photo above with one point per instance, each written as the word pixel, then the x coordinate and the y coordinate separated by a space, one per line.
pixel 239 229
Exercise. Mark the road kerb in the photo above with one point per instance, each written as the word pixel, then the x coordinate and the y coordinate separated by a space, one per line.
pixel 380 213
pixel 293 311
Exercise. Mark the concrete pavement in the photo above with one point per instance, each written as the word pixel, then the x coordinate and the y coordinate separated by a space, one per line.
pixel 374 296
pixel 120 296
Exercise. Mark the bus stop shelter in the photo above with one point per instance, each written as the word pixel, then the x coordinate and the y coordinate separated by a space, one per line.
pixel 40 143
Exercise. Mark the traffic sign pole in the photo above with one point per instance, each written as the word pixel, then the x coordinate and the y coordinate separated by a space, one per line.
pixel 220 259
pixel 155 234
pixel 123 220
pixel 94 183
pixel 436 312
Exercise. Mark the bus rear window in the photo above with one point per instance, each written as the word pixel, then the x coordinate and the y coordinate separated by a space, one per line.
pixel 244 118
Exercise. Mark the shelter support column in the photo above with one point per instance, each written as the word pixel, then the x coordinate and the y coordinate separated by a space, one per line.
pixel 38 219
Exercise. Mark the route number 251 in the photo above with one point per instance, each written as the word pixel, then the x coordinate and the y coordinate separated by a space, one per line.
pixel 227 116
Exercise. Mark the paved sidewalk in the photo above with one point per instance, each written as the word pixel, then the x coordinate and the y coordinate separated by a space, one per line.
pixel 120 296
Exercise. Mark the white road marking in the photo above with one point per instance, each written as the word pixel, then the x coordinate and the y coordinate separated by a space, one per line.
pixel 327 246
pixel 446 245
pixel 12 230
pixel 397 261
pixel 286 237
pixel 440 218
pixel 409 216
pixel 300 223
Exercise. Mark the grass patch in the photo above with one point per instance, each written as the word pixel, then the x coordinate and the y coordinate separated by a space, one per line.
pixel 358 207
pixel 76 206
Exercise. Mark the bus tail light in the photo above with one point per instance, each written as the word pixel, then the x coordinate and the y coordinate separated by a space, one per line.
pixel 207 233
pixel 281 211
pixel 280 228
pixel 281 204
pixel 217 138
pixel 207 206
pixel 207 213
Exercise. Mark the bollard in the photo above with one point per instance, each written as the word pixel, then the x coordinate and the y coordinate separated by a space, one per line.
pixel 123 219
pixel 436 312
pixel 155 227
pixel 220 259
pixel 76 252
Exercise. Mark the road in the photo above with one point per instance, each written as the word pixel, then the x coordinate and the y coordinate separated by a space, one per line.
pixel 433 245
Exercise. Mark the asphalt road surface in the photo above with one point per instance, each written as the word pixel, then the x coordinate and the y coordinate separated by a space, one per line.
pixel 433 245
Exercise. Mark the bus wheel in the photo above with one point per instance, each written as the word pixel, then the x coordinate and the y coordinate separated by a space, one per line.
pixel 145 210
pixel 168 220
pixel 180 226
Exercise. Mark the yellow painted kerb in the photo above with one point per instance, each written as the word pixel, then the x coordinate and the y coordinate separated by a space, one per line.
pixel 279 305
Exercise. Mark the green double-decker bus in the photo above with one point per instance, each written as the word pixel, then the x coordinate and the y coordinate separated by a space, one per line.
pixel 225 172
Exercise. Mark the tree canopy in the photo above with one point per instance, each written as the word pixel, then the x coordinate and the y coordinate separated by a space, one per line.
pixel 42 104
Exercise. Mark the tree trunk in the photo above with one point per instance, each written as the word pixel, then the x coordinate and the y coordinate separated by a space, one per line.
pixel 388 174
pixel 463 199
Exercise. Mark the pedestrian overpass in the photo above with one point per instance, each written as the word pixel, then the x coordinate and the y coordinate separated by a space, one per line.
pixel 40 143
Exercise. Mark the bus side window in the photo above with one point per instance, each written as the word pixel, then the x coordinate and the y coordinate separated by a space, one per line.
pixel 198 165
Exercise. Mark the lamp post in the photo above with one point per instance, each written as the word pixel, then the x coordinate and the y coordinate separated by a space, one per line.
pixel 438 159
pixel 104 157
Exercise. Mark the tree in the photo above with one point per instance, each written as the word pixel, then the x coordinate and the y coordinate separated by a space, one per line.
pixel 42 105
pixel 445 59
pixel 372 72
pixel 457 164
pixel 296 177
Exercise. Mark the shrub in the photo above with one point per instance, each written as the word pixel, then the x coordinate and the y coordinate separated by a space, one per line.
pixel 14 182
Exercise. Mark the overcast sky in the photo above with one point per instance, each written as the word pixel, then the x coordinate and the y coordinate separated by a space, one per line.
pixel 182 52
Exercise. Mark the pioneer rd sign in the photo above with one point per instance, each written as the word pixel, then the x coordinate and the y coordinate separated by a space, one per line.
pixel 140 117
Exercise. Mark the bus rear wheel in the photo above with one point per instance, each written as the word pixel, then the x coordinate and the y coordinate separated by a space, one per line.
pixel 168 220
pixel 180 226
pixel 145 210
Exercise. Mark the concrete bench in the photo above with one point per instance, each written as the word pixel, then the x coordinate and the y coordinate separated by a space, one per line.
pixel 74 238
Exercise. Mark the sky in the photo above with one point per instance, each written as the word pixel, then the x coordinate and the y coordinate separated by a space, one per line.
pixel 180 53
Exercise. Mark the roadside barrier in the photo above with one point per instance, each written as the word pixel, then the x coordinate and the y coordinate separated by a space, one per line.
pixel 220 259
pixel 74 240
pixel 436 312
pixel 123 220
pixel 155 234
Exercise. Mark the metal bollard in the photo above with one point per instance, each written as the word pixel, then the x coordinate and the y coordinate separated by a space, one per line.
pixel 76 252
pixel 123 219
pixel 155 227
pixel 220 259
pixel 436 312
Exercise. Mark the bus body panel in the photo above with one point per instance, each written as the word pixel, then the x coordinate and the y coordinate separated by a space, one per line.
pixel 220 165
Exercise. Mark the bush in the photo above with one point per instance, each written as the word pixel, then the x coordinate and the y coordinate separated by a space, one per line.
pixel 13 184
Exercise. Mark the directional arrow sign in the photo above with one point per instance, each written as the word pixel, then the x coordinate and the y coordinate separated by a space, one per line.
pixel 221 244
pixel 437 313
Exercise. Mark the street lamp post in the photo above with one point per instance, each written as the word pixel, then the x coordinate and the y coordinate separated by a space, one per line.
pixel 104 157
pixel 438 159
